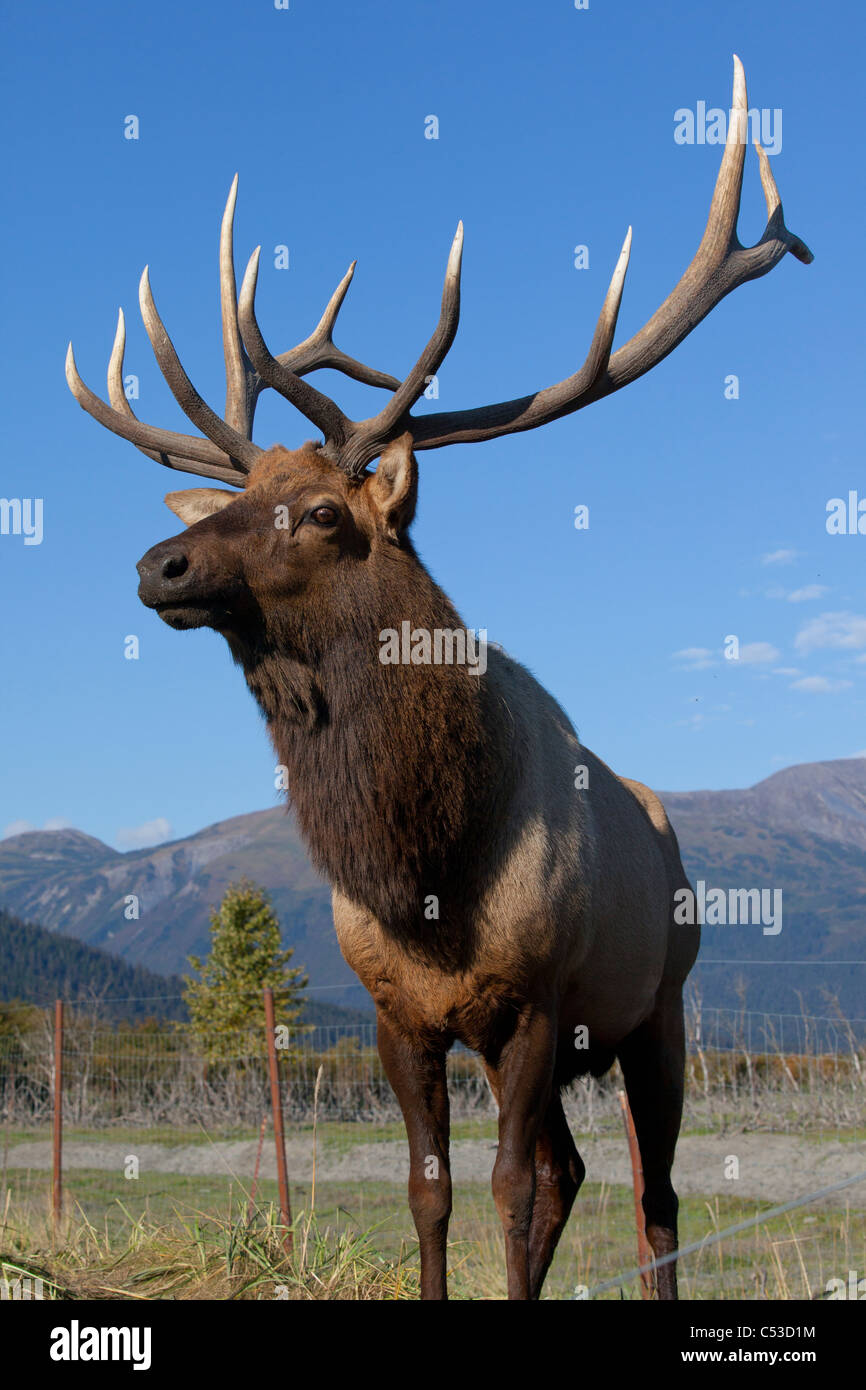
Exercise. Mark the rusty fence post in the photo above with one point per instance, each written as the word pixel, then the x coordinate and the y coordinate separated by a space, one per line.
pixel 57 1115
pixel 252 1202
pixel 277 1110
pixel 644 1253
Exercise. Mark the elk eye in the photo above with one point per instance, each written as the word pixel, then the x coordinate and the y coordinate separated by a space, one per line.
pixel 324 516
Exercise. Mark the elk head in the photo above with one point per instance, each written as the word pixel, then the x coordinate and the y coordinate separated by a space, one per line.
pixel 298 537
pixel 316 532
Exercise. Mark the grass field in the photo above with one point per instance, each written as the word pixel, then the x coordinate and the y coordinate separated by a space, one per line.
pixel 168 1235
pixel 342 1134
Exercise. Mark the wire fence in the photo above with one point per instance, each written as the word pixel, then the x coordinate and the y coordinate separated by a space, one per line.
pixel 793 1074
pixel 834 1287
pixel 773 1071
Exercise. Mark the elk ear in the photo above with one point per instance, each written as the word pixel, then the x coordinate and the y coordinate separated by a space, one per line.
pixel 394 487
pixel 196 503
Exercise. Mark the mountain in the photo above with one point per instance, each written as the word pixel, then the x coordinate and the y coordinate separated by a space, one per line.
pixel 72 883
pixel 40 966
pixel 826 800
pixel 801 831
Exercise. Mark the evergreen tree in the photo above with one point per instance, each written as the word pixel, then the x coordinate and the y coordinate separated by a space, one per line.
pixel 245 956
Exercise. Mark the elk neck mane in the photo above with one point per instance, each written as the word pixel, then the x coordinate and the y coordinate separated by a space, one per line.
pixel 397 773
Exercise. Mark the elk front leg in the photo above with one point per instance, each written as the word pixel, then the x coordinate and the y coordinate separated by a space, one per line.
pixel 559 1172
pixel 417 1076
pixel 521 1076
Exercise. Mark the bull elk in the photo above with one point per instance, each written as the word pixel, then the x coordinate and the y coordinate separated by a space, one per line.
pixel 418 783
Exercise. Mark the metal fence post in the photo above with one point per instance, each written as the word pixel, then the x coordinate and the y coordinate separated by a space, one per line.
pixel 57 1114
pixel 277 1109
pixel 644 1253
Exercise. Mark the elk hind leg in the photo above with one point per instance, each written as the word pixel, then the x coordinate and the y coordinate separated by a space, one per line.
pixel 653 1063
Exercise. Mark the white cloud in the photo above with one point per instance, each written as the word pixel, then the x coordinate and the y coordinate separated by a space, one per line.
pixel 842 630
pixel 802 595
pixel 695 658
pixel 820 685
pixel 780 557
pixel 694 721
pixel 787 671
pixel 750 654
pixel 861 754
pixel 757 653
pixel 26 827
pixel 18 827
pixel 809 591
pixel 151 832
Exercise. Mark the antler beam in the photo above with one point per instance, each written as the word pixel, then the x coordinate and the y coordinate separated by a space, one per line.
pixel 720 265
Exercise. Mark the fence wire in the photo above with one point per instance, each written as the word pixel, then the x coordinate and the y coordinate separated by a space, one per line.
pixel 776 1071
pixel 716 1238
pixel 745 1071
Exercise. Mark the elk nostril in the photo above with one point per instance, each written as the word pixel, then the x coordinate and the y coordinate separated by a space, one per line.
pixel 174 566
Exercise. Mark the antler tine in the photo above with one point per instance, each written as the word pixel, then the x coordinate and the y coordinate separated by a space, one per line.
pixel 116 393
pixel 182 451
pixel 720 233
pixel 368 436
pixel 242 383
pixel 227 453
pixel 434 353
pixel 719 266
pixel 320 350
pixel 318 408
pixel 776 222
pixel 119 401
pixel 524 413
pixel 240 449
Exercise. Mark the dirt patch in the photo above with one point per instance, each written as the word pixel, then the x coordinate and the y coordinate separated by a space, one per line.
pixel 772 1167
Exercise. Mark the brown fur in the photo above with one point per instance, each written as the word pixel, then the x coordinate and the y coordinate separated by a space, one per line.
pixel 420 784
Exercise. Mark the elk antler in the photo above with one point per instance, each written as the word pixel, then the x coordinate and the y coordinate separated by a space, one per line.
pixel 227 453
pixel 353 444
pixel 720 264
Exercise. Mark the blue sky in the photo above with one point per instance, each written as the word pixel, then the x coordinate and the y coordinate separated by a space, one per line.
pixel 556 129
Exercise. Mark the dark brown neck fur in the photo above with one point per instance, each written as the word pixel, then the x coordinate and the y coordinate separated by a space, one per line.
pixel 395 772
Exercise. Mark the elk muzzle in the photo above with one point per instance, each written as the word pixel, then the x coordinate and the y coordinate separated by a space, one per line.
pixel 185 586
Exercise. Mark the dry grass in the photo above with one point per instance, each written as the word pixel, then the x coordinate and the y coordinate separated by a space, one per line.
pixel 198 1255
pixel 356 1244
